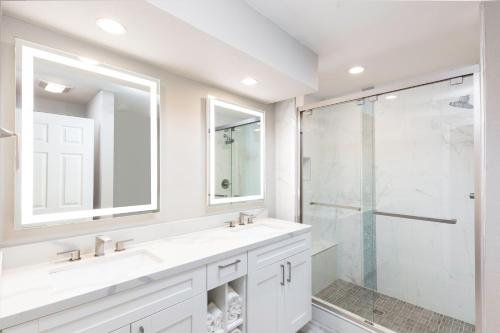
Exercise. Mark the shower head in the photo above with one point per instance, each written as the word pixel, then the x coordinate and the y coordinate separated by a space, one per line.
pixel 463 103
pixel 227 139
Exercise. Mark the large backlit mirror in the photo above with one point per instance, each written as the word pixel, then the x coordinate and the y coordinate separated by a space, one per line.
pixel 88 135
pixel 236 152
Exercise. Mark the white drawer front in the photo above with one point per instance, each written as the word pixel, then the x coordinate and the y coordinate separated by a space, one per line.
pixel 270 254
pixel 226 270
pixel 115 311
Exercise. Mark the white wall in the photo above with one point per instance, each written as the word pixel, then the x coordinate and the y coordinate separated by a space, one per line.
pixel 132 135
pixel 489 305
pixel 101 108
pixel 59 107
pixel 182 140
pixel 286 157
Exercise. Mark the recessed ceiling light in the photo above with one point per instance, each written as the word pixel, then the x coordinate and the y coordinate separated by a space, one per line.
pixel 356 70
pixel 111 26
pixel 89 61
pixel 391 97
pixel 54 88
pixel 249 81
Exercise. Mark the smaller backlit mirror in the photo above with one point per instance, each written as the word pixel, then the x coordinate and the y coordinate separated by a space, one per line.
pixel 236 152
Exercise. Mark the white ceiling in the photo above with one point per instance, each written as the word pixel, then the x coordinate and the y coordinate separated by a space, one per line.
pixel 393 40
pixel 161 38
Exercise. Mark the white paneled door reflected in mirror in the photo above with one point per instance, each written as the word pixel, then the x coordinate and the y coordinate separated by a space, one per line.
pixel 236 152
pixel 88 138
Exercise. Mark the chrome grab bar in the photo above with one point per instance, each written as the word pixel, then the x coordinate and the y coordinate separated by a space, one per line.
pixel 416 217
pixel 402 216
pixel 312 203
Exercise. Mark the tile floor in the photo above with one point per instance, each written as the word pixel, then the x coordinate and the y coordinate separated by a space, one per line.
pixel 390 312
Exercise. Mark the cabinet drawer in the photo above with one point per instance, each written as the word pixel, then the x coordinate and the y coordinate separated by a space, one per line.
pixel 270 254
pixel 112 312
pixel 226 270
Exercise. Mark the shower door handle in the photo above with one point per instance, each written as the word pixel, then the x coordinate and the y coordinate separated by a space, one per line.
pixel 289 279
pixel 282 275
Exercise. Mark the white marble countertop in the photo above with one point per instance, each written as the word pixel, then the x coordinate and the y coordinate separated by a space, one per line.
pixel 29 292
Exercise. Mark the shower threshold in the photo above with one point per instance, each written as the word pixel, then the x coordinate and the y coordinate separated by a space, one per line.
pixel 389 312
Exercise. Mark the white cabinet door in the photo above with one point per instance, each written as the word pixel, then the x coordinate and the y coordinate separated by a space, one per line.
pixel 141 326
pixel 265 299
pixel 63 163
pixel 279 296
pixel 298 305
pixel 185 317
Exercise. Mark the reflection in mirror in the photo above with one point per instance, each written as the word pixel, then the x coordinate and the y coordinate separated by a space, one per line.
pixel 89 138
pixel 236 152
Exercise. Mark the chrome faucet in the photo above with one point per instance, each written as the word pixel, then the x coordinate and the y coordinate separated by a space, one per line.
pixel 100 242
pixel 246 218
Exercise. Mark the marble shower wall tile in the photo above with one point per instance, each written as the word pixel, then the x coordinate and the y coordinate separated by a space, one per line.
pixel 332 143
pixel 424 166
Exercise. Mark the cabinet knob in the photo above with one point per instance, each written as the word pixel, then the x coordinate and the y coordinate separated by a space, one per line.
pixel 141 329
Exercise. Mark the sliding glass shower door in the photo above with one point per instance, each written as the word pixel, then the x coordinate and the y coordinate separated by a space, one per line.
pixel 387 185
pixel 333 200
pixel 424 179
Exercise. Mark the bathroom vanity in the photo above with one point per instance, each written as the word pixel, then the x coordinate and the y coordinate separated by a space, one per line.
pixel 165 285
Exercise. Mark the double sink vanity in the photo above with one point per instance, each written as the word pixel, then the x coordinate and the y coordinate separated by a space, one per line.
pixel 165 285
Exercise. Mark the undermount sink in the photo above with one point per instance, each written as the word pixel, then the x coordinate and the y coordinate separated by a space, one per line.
pixel 254 230
pixel 102 270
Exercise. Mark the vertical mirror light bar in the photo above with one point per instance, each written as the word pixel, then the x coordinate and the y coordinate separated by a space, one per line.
pixel 211 120
pixel 27 133
pixel 212 103
pixel 27 216
pixel 154 91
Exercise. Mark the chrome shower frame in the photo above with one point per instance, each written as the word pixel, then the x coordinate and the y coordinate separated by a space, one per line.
pixel 337 312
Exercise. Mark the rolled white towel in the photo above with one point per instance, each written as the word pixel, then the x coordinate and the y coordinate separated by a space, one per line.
pixel 231 317
pixel 236 330
pixel 233 297
pixel 210 323
pixel 235 308
pixel 214 318
pixel 234 305
pixel 210 326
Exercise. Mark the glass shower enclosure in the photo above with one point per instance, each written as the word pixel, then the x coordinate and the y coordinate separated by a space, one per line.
pixel 387 185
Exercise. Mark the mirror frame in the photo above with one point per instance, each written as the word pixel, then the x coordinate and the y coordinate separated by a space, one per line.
pixel 24 119
pixel 212 102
